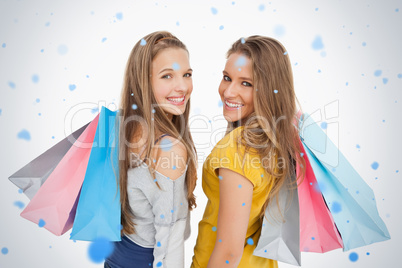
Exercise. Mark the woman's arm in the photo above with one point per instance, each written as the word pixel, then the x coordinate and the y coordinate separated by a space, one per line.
pixel 235 196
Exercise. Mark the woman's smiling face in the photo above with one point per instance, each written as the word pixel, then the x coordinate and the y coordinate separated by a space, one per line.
pixel 236 89
pixel 171 80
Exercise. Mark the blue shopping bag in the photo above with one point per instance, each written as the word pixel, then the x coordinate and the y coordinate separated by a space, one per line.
pixel 98 211
pixel 350 200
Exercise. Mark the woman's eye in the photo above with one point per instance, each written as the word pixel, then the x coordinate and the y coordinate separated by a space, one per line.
pixel 226 78
pixel 247 84
pixel 167 76
pixel 188 75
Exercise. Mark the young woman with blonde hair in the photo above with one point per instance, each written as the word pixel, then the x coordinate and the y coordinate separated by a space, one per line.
pixel 157 165
pixel 246 169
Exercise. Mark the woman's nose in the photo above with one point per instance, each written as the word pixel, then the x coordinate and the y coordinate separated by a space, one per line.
pixel 230 91
pixel 182 85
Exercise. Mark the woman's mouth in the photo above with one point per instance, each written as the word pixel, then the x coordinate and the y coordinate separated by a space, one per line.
pixel 232 105
pixel 176 100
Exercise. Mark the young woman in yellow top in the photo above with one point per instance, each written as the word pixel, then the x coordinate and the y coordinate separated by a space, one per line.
pixel 247 167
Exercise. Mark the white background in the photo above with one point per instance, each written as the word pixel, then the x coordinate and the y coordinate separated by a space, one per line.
pixel 341 75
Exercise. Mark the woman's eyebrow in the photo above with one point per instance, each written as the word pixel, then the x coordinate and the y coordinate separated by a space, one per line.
pixel 246 78
pixel 241 78
pixel 166 69
pixel 170 70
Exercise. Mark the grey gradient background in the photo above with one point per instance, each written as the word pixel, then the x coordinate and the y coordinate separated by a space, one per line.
pixel 336 82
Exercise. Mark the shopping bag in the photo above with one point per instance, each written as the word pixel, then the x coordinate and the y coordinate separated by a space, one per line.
pixel 98 212
pixel 350 200
pixel 318 232
pixel 280 234
pixel 54 205
pixel 32 176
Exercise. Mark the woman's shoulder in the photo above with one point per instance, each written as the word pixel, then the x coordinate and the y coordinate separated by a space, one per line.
pixel 171 145
pixel 171 158
pixel 233 153
pixel 234 145
pixel 229 148
pixel 232 137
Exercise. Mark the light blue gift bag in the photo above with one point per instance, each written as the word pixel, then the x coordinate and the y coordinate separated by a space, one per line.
pixel 98 211
pixel 350 200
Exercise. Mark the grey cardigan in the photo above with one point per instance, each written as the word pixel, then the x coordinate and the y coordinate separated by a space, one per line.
pixel 161 216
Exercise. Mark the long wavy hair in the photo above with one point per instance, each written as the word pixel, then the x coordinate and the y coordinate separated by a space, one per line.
pixel 272 128
pixel 139 111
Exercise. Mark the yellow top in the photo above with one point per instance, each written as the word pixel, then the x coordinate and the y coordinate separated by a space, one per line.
pixel 229 154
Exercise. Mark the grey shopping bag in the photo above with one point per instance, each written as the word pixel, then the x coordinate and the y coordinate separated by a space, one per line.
pixel 32 176
pixel 280 234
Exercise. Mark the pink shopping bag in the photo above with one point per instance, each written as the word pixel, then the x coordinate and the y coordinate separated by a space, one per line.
pixel 54 205
pixel 318 232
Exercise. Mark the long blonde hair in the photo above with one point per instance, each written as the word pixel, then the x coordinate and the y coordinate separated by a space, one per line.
pixel 138 103
pixel 273 122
